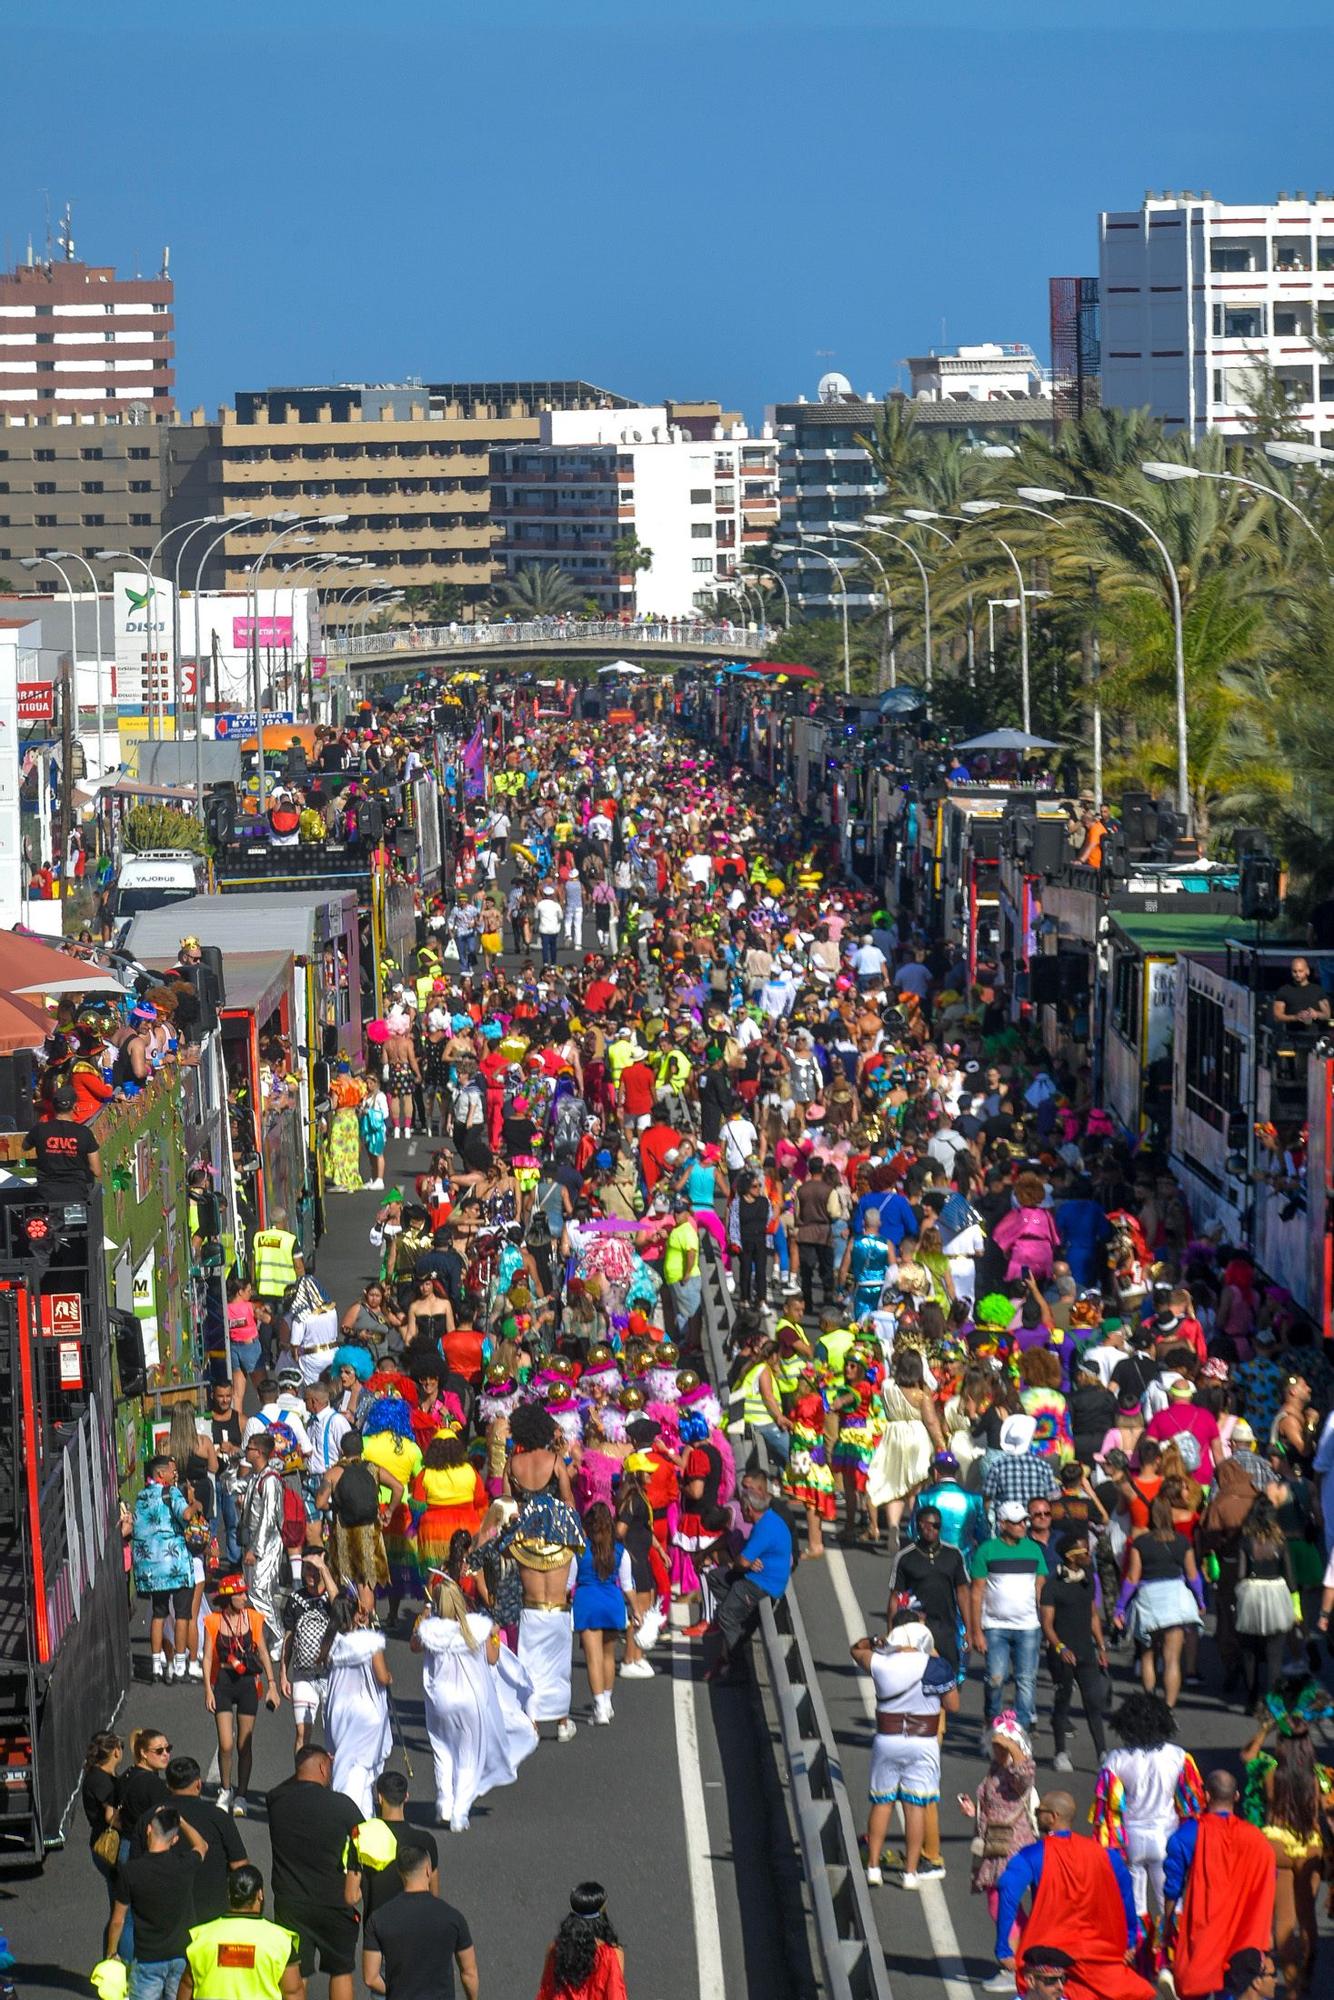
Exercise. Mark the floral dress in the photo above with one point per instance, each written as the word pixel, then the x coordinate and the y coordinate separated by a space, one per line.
pixel 806 1477
pixel 858 1431
pixel 1003 1803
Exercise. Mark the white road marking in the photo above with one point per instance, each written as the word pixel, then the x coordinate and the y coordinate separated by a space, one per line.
pixel 939 1924
pixel 699 1844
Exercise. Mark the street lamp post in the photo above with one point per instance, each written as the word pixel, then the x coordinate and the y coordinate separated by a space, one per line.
pixel 69 555
pixel 299 521
pixel 765 570
pixel 810 534
pixel 884 522
pixel 68 696
pixel 794 549
pixel 1051 496
pixel 1168 472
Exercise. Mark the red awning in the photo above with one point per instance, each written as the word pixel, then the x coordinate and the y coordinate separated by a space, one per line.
pixel 791 669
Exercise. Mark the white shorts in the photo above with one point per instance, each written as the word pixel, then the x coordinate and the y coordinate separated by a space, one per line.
pixel 905 1770
pixel 307 1698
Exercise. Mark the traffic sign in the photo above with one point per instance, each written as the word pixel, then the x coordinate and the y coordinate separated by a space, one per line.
pixel 37 701
pixel 242 722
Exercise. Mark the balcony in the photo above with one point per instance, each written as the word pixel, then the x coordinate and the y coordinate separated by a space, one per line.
pixel 1238 253
pixel 1293 321
pixel 1242 320
pixel 1292 253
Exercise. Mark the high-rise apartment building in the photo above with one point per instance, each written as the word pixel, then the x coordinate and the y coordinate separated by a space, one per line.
pixel 77 338
pixel 691 496
pixel 408 464
pixel 827 481
pixel 1200 299
pixel 84 481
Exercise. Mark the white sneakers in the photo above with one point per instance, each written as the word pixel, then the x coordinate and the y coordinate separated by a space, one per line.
pixel 195 1671
pixel 159 1667
pixel 636 1670
pixel 224 1799
pixel 368 1187
pixel 566 1731
pixel 602 1709
pixel 1060 1762
pixel 910 1881
pixel 874 1878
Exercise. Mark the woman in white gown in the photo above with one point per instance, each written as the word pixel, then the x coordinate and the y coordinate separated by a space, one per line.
pixel 474 1692
pixel 356 1703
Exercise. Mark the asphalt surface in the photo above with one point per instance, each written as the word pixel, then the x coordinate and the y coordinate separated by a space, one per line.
pixel 943 1933
pixel 610 1805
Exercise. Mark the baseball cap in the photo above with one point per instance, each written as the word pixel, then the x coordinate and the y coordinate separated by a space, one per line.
pixel 1012 1510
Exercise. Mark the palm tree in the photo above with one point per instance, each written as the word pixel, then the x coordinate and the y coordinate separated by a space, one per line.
pixel 539 590
pixel 435 603
pixel 629 556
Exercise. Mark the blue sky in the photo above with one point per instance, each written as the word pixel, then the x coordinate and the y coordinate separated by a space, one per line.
pixel 674 199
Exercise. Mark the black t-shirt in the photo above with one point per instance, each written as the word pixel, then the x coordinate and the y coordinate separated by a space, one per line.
pixel 380 1885
pixel 1296 999
pixel 1072 1608
pixel 159 1889
pixel 62 1147
pixel 98 1790
pixel 935 1584
pixel 225 1846
pixel 1131 1377
pixel 309 1829
pixel 138 1790
pixel 1161 1561
pixel 226 1430
pixel 418 1936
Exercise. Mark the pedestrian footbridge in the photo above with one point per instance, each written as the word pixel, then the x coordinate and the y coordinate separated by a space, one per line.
pixel 671 640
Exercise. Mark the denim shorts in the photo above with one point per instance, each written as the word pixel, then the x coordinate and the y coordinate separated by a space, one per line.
pixel 245 1355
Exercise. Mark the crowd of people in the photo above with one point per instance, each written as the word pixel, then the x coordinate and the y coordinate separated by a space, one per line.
pixel 651 1022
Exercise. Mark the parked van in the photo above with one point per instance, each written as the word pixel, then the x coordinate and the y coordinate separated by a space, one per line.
pixel 160 875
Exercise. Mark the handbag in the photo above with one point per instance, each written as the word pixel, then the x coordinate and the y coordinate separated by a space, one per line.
pixel 107 1846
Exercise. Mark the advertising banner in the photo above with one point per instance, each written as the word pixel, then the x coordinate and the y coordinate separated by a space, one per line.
pixel 142 622
pixel 272 631
pixel 37 701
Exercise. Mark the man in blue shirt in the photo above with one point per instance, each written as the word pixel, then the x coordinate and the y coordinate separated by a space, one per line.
pixel 1022 1874
pixel 761 1570
pixel 897 1218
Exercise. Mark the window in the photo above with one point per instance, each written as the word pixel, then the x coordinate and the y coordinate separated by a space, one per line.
pixel 94 520
pixel 44 486
pixel 1127 987
pixel 141 520
pixel 92 486
pixel 45 457
pixel 45 339
pixel 44 520
pixel 91 451
pixel 138 451
pixel 701 531
pixel 141 486
pixel 726 496
pixel 700 496
pixel 108 336
pixel 702 565
pixel 1213 1061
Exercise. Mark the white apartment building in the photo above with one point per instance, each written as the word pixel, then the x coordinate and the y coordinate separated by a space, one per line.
pixel 988 372
pixel 598 477
pixel 1195 292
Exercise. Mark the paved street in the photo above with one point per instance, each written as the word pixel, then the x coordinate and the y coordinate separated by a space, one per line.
pixel 642 1806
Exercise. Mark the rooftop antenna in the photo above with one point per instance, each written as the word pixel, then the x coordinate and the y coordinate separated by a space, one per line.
pixel 166 260
pixel 66 236
pixel 46 211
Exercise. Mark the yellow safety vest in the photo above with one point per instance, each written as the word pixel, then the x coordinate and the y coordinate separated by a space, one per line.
pixel 275 1268
pixel 836 1344
pixel 239 1958
pixel 375 1844
pixel 754 1410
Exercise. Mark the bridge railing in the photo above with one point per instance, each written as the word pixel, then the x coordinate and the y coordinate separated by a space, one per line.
pixel 562 633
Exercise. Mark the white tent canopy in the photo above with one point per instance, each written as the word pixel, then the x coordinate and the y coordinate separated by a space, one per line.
pixel 621 667
pixel 1008 739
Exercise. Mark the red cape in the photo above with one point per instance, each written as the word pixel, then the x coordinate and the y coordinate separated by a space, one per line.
pixel 1228 1905
pixel 1077 1907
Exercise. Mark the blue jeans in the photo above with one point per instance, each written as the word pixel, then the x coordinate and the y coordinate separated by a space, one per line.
pixel 781 1250
pixel 778 1440
pixel 548 940
pixel 1014 1653
pixel 155 1979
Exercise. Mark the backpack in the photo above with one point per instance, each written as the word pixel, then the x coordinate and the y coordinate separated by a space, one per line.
pixel 356 1497
pixel 294 1517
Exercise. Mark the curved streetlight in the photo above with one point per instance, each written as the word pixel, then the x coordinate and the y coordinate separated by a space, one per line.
pixel 54 556
pixel 43 775
pixel 1051 496
pixel 298 521
pixel 884 523
pixel 765 569
pixel 828 535
pixel 1285 452
pixel 830 563
pixel 1169 473
pixel 926 516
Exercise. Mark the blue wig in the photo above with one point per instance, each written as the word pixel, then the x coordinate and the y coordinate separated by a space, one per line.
pixel 386 1413
pixel 692 1428
pixel 356 1357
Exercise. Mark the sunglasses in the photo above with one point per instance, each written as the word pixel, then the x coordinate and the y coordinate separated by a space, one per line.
pixel 1039 1513
pixel 161 1750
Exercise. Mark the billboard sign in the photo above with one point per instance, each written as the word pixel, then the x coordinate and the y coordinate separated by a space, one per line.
pixel 272 632
pixel 142 622
pixel 241 722
pixel 37 701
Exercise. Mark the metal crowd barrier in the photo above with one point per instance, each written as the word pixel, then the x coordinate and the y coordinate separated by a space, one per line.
pixel 851 1958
